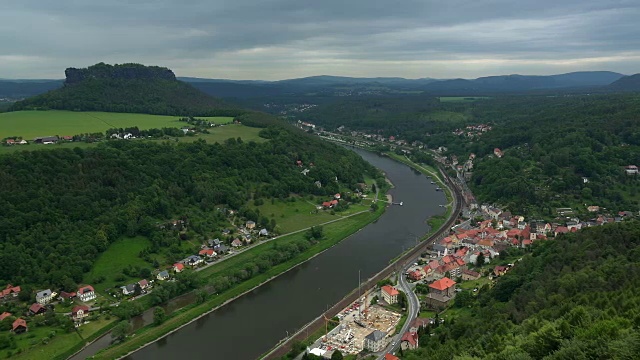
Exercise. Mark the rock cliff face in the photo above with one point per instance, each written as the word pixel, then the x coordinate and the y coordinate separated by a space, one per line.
pixel 122 71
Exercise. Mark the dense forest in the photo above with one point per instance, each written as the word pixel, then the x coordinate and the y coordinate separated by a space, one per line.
pixel 550 143
pixel 60 209
pixel 128 88
pixel 577 297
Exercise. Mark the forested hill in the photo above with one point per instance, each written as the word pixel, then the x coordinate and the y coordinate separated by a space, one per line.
pixel 577 297
pixel 627 83
pixel 59 209
pixel 128 88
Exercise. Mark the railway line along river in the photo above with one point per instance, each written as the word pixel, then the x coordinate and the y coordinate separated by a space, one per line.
pixel 252 324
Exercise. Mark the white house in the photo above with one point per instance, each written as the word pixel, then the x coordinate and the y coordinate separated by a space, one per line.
pixel 86 293
pixel 45 296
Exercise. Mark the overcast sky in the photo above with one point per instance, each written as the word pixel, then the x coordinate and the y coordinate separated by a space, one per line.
pixel 278 39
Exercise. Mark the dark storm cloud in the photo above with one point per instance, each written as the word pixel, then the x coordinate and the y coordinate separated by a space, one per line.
pixel 289 38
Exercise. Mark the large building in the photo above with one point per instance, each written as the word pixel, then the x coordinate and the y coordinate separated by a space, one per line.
pixel 375 341
pixel 45 296
pixel 441 293
pixel 390 294
pixel 86 293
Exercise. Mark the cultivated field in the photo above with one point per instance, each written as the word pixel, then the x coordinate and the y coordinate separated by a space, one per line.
pixel 31 124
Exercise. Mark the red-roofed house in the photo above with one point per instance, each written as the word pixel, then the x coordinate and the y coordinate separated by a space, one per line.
pixel 390 294
pixel 409 341
pixel 299 162
pixel 19 326
pixel 143 284
pixel 334 203
pixel 326 204
pixel 65 295
pixel 207 252
pixel 497 152
pixel 10 141
pixel 86 293
pixel 433 264
pixel 79 312
pixel 419 323
pixel 462 252
pixel 441 292
pixel 10 291
pixel 500 270
pixel 416 275
pixel 37 309
pixel 561 230
pixel 178 267
pixel 447 259
pixel 4 315
pixel 460 261
pixel 336 196
pixel 470 275
pixel 390 357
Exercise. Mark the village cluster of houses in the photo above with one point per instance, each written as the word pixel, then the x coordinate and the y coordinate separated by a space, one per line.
pixel 473 130
pixel 215 248
pixel 46 140
pixel 84 293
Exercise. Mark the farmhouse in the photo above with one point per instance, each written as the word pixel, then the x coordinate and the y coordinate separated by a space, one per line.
pixel 37 309
pixel 163 275
pixel 178 267
pixel 45 296
pixel 86 293
pixel 19 326
pixel 207 252
pixel 46 140
pixel 9 291
pixel 143 284
pixel 631 170
pixel 79 312
pixel 409 341
pixel 129 289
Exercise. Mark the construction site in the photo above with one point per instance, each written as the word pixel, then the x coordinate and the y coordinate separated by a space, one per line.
pixel 357 321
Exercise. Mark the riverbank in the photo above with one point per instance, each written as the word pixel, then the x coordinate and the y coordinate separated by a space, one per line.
pixel 334 233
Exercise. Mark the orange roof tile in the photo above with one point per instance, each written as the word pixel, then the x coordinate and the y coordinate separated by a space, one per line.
pixel 442 284
pixel 390 290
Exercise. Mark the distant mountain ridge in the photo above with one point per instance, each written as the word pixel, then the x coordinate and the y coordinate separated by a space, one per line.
pixel 131 88
pixel 332 85
pixel 514 83
pixel 627 83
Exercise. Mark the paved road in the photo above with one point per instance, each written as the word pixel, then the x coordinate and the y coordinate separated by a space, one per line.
pixel 239 251
pixel 412 313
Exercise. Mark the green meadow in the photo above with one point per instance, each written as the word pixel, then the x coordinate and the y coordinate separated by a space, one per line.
pixel 31 124
pixel 121 254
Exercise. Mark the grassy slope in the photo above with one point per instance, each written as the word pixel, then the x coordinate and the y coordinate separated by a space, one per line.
pixel 118 256
pixel 301 214
pixel 334 233
pixel 58 344
pixel 31 124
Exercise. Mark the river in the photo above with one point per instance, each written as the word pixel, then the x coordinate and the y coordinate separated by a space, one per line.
pixel 257 321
